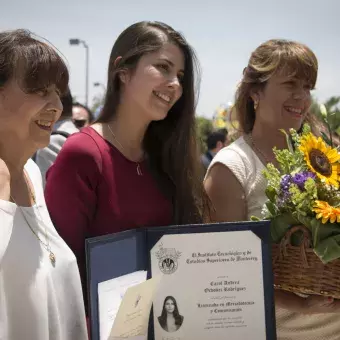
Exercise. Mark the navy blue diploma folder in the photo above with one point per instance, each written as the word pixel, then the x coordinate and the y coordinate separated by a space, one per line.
pixel 114 255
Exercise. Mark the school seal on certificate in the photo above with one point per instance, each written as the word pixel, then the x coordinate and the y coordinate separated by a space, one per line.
pixel 167 257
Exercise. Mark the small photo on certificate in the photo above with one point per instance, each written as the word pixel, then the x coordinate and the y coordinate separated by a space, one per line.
pixel 170 319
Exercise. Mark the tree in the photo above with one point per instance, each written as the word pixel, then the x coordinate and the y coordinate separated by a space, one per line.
pixel 204 127
pixel 332 107
pixel 97 102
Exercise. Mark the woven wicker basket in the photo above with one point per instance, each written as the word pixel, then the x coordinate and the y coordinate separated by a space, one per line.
pixel 299 270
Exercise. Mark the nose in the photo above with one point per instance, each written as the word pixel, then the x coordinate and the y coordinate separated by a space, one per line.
pixel 54 103
pixel 174 82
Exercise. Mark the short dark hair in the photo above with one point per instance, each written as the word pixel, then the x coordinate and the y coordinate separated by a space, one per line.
pixel 89 112
pixel 215 137
pixel 67 102
pixel 35 64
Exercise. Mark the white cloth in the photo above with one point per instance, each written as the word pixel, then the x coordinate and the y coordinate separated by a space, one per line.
pixel 37 301
pixel 247 167
pixel 242 161
pixel 45 157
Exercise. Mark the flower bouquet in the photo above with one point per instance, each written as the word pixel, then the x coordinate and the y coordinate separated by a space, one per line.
pixel 304 209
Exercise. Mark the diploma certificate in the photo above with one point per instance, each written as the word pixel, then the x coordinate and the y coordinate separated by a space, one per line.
pixel 211 288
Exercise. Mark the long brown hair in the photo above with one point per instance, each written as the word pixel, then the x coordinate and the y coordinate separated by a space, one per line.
pixel 171 143
pixel 289 57
pixel 34 63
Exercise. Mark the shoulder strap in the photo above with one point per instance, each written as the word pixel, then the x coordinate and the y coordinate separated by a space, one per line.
pixel 62 133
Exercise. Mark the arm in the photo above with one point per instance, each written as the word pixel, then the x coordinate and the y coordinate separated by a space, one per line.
pixel 226 194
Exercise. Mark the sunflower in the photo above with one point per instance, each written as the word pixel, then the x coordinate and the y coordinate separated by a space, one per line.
pixel 326 212
pixel 321 159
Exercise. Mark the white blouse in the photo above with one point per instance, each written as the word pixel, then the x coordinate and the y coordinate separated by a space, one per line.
pixel 38 301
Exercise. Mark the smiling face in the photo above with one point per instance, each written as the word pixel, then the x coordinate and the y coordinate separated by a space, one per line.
pixel 156 83
pixel 284 102
pixel 28 118
pixel 169 306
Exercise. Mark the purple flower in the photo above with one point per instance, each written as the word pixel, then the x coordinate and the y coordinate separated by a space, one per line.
pixel 300 178
pixel 286 181
pixel 284 194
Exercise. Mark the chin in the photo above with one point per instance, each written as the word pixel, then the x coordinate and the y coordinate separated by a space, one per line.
pixel 42 142
pixel 158 116
pixel 296 125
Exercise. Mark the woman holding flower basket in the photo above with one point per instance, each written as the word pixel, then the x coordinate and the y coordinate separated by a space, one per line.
pixel 297 185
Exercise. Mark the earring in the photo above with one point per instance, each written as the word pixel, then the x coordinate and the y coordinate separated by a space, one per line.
pixel 256 104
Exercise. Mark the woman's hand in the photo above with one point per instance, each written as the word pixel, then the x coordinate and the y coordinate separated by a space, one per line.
pixel 5 179
pixel 313 304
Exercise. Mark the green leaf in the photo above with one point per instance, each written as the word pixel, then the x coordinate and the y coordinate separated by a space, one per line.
pixel 288 141
pixel 271 193
pixel 280 225
pixel 326 139
pixel 255 218
pixel 329 249
pixel 271 208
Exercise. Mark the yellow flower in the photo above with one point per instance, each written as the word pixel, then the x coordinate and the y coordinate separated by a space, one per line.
pixel 321 159
pixel 326 212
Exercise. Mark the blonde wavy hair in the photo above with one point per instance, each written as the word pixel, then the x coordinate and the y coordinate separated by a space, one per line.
pixel 276 56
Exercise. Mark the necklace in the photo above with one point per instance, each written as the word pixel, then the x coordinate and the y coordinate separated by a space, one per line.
pixel 138 169
pixel 257 149
pixel 47 244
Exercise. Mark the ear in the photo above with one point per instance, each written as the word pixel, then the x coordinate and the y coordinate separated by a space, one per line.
pixel 117 61
pixel 255 95
pixel 121 73
pixel 123 76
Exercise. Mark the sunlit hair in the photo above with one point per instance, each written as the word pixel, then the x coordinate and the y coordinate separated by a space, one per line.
pixel 277 56
pixel 33 63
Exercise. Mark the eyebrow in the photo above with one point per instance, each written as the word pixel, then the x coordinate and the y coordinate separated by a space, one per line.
pixel 170 63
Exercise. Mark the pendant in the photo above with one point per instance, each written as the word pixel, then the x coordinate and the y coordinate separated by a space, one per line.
pixel 139 170
pixel 52 258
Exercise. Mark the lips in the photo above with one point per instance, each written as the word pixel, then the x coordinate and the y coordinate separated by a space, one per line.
pixel 44 124
pixel 294 111
pixel 162 96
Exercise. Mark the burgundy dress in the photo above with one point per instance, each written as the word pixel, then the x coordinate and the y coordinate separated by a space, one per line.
pixel 92 190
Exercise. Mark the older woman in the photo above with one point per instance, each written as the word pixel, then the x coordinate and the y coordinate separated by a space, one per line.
pixel 40 290
pixel 274 94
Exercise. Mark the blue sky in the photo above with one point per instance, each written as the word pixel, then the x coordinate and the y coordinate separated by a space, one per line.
pixel 222 32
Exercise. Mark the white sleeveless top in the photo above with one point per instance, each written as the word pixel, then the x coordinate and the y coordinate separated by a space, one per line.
pixel 240 158
pixel 38 301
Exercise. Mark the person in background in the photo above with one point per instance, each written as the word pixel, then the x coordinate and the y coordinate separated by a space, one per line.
pixel 274 94
pixel 216 141
pixel 40 289
pixel 81 115
pixel 62 129
pixel 137 166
